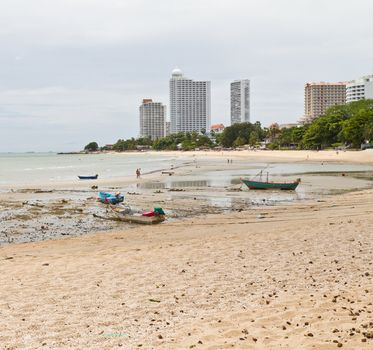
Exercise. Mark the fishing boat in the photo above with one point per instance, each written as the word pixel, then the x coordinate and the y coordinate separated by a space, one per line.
pixel 259 184
pixel 146 218
pixel 88 177
pixel 110 198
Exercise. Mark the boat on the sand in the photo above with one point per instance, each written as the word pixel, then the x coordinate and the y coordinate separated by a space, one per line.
pixel 264 185
pixel 110 198
pixel 147 218
pixel 88 177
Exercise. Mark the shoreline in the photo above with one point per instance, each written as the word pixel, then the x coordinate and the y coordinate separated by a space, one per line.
pixel 298 277
pixel 352 156
pixel 258 156
pixel 199 186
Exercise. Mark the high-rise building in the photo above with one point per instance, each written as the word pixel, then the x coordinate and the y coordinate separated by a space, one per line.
pixel 240 101
pixel 152 119
pixel 359 89
pixel 190 104
pixel 318 97
pixel 168 128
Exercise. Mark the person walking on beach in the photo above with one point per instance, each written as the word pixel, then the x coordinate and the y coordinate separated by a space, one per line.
pixel 138 173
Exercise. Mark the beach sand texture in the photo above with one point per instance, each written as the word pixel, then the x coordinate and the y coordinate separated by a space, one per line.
pixel 287 277
pixel 362 157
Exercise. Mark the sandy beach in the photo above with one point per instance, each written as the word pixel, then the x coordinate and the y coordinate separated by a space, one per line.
pixel 292 277
pixel 361 157
pixel 229 269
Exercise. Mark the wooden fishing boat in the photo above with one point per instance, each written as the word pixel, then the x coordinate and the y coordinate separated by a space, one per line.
pixel 264 185
pixel 88 177
pixel 138 218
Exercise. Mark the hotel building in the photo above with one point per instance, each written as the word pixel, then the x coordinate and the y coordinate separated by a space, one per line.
pixel 190 104
pixel 318 97
pixel 152 119
pixel 359 89
pixel 240 101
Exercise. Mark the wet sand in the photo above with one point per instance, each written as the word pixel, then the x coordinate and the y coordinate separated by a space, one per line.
pixel 295 276
pixel 200 186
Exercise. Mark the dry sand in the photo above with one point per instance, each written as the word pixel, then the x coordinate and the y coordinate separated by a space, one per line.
pixel 361 157
pixel 288 277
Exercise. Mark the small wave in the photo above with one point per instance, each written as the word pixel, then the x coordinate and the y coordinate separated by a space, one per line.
pixel 50 168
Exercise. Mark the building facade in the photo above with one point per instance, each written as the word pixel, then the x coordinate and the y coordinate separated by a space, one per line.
pixel 152 119
pixel 318 97
pixel 168 128
pixel 359 89
pixel 190 104
pixel 240 101
pixel 217 128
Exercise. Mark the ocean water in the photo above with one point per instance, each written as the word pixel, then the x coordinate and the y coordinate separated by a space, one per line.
pixel 28 168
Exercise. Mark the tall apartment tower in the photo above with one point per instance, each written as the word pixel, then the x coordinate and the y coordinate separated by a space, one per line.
pixel 359 89
pixel 152 119
pixel 318 97
pixel 240 101
pixel 190 104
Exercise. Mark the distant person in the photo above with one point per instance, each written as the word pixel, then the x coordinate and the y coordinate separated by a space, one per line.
pixel 138 173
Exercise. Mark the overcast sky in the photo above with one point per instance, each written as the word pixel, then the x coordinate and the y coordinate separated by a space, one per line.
pixel 74 71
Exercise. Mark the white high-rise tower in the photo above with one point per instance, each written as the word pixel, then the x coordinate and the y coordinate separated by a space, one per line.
pixel 240 101
pixel 152 119
pixel 359 89
pixel 190 104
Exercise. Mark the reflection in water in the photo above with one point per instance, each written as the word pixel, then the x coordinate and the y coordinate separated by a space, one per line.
pixel 152 186
pixel 190 183
pixel 173 184
pixel 254 198
pixel 223 189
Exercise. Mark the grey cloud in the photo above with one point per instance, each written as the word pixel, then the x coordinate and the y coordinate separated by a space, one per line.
pixel 76 70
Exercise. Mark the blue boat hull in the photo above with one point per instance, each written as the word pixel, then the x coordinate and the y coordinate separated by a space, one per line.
pixel 93 177
pixel 109 198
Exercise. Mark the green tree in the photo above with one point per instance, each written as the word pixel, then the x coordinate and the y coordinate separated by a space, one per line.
pixel 239 132
pixel 368 132
pixel 91 147
pixel 239 141
pixel 348 123
pixel 253 139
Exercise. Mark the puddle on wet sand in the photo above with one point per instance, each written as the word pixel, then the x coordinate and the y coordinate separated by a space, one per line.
pixel 48 215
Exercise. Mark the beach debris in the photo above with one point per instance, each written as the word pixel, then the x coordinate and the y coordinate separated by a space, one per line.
pixel 154 300
pixel 368 335
pixel 234 189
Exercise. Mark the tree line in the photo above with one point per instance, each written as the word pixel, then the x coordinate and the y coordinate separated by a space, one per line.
pixel 347 125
